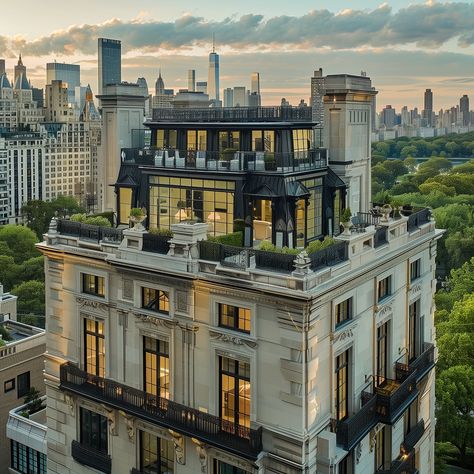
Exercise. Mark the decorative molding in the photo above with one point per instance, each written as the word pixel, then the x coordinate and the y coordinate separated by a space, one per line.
pixel 182 301
pixel 416 288
pixel 71 403
pixel 85 302
pixel 238 341
pixel 145 318
pixel 201 449
pixel 343 335
pixel 358 452
pixel 129 422
pixel 179 444
pixel 111 418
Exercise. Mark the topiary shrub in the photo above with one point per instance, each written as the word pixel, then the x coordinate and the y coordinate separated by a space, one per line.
pixel 164 232
pixel 98 220
pixel 78 217
pixel 235 238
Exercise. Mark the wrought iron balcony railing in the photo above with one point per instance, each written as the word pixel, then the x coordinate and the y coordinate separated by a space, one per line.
pixel 413 436
pixel 425 362
pixel 404 465
pixel 351 430
pixel 89 232
pixel 229 160
pixel 223 434
pixel 91 457
pixel 418 218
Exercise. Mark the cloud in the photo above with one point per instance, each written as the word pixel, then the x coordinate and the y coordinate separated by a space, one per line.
pixel 428 25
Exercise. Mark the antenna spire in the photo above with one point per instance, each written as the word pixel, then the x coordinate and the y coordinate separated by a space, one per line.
pixel 213 43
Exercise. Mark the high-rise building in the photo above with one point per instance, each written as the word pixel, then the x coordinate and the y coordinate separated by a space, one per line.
pixel 19 68
pixel 177 354
pixel 255 89
pixel 240 96
pixel 228 97
pixel 464 109
pixel 317 94
pixel 2 66
pixel 57 102
pixel 388 117
pixel 428 107
pixel 191 80
pixel 201 86
pixel 213 77
pixel 69 74
pixel 110 62
pixel 163 97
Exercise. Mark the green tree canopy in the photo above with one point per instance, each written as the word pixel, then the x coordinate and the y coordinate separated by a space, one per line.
pixel 21 241
pixel 30 297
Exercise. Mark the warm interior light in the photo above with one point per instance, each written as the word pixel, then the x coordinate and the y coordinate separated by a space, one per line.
pixel 214 216
pixel 181 215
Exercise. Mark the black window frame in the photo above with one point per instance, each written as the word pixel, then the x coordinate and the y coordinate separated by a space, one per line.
pixel 222 464
pixel 383 332
pixel 21 389
pixel 13 386
pixel 161 351
pixel 384 288
pixel 342 365
pixel 96 286
pixel 88 431
pixel 154 303
pixel 96 336
pixel 236 317
pixel 151 470
pixel 415 269
pixel 34 461
pixel 342 314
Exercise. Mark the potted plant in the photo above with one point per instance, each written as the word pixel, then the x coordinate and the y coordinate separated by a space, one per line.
pixel 346 221
pixel 396 205
pixel 386 210
pixel 137 216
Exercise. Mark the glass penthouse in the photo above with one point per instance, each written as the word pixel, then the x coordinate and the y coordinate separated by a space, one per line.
pixel 260 169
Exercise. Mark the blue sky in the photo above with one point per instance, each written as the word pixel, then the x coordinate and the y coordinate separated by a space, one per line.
pixel 405 46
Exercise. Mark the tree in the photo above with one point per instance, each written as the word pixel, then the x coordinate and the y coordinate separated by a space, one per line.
pixel 408 150
pixel 21 241
pixel 410 164
pixel 430 186
pixel 30 297
pixel 460 246
pixel 31 269
pixel 455 406
pixel 8 272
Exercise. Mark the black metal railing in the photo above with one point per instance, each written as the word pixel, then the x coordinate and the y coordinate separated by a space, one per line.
pixel 273 261
pixel 425 362
pixel 223 434
pixel 418 218
pixel 351 430
pixel 330 256
pixel 211 251
pixel 380 237
pixel 235 114
pixel 368 218
pixel 156 243
pixel 93 233
pixel 404 465
pixel 235 257
pixel 413 436
pixel 393 397
pixel 228 160
pixel 91 457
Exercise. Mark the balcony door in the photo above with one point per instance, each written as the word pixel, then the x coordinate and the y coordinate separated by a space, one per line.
pixel 262 219
pixel 94 347
pixel 415 331
pixel 382 353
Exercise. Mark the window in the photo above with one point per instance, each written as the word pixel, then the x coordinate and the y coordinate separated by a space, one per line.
pixel 415 269
pixel 234 317
pixel 346 465
pixel 384 288
pixel 343 311
pixel 156 454
pixel 415 330
pixel 410 418
pixel 27 460
pixel 220 467
pixel 93 430
pixel 263 140
pixel 234 381
pixel 23 384
pixel 9 385
pixel 93 285
pixel 155 300
pixel 382 353
pixel 125 196
pixel 380 450
pixel 94 347
pixel 342 382
pixel 156 367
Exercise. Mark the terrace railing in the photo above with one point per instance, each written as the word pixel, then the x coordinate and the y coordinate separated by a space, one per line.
pixel 156 243
pixel 418 218
pixel 89 232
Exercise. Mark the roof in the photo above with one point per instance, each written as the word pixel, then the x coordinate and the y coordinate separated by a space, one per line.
pixel 22 83
pixel 4 82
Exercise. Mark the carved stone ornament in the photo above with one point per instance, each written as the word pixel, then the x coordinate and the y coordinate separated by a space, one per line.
pixel 182 301
pixel 201 449
pixel 415 289
pixel 358 452
pixel 84 302
pixel 129 423
pixel 179 443
pixel 383 310
pixel 154 320
pixel 69 399
pixel 238 341
pixel 343 335
pixel 111 414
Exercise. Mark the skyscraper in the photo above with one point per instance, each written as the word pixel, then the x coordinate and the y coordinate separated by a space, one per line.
pixel 464 109
pixel 70 74
pixel 213 76
pixel 110 62
pixel 428 108
pixel 255 87
pixel 317 94
pixel 240 96
pixel 228 97
pixel 201 86
pixel 19 68
pixel 2 66
pixel 191 80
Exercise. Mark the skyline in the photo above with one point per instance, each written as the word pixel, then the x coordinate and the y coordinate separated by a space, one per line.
pixel 405 47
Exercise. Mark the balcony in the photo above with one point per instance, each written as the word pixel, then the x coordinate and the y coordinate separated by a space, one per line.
pixel 394 396
pixel 234 114
pixel 425 362
pixel 227 161
pixel 88 232
pixel 413 436
pixel 351 430
pixel 404 465
pixel 90 457
pixel 188 421
pixel 418 218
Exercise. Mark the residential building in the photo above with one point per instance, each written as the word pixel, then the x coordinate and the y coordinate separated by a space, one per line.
pixel 21 368
pixel 58 105
pixel 201 86
pixel 8 303
pixel 464 110
pixel 110 62
pixel 388 117
pixel 191 80
pixel 317 94
pixel 189 99
pixel 228 97
pixel 69 74
pixel 428 108
pixel 240 96
pixel 255 89
pixel 27 435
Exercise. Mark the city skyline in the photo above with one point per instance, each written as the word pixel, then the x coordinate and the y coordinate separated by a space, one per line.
pixel 401 60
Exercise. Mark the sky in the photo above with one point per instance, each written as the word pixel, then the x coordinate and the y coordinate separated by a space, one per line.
pixel 405 46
